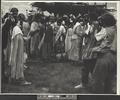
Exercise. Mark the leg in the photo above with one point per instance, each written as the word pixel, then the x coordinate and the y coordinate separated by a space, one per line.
pixel 88 67
pixel 85 72
pixel 3 65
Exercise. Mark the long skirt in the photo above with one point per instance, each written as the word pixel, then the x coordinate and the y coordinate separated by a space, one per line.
pixel 68 45
pixel 74 51
pixel 17 58
pixel 47 50
pixel 34 45
pixel 60 45
pixel 104 73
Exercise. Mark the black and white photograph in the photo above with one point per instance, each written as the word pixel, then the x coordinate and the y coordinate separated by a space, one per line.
pixel 59 47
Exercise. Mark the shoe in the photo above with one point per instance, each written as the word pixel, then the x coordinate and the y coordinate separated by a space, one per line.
pixel 80 86
pixel 25 66
pixel 25 83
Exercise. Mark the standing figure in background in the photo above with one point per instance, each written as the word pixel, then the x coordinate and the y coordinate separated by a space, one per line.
pixel 87 54
pixel 48 41
pixel 77 40
pixel 34 33
pixel 68 41
pixel 80 31
pixel 60 41
pixel 41 37
pixel 25 30
pixel 74 51
pixel 55 30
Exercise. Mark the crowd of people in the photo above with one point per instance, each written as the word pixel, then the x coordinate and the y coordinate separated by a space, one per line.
pixel 88 38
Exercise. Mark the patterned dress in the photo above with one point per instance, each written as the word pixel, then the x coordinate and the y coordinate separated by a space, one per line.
pixel 60 40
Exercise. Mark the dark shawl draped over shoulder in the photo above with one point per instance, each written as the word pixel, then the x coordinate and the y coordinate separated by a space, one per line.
pixel 90 42
pixel 5 33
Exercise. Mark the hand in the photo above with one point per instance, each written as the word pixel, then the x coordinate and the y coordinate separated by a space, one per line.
pixel 95 49
pixel 26 38
pixel 29 37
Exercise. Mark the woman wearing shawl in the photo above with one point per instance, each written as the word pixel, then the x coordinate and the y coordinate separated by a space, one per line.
pixel 26 29
pixel 17 54
pixel 60 40
pixel 87 55
pixel 35 35
pixel 7 28
pixel 104 73
pixel 77 40
pixel 48 42
pixel 68 40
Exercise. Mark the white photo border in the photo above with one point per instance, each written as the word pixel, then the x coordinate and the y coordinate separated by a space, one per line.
pixel 118 48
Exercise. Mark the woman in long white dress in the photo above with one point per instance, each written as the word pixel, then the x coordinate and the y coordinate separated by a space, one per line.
pixel 17 55
pixel 77 40
pixel 68 41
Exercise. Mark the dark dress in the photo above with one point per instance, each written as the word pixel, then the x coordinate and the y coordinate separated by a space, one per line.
pixel 60 41
pixel 6 28
pixel 104 73
pixel 88 57
pixel 48 43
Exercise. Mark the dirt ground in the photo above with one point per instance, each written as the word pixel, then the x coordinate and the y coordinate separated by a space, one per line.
pixel 50 77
